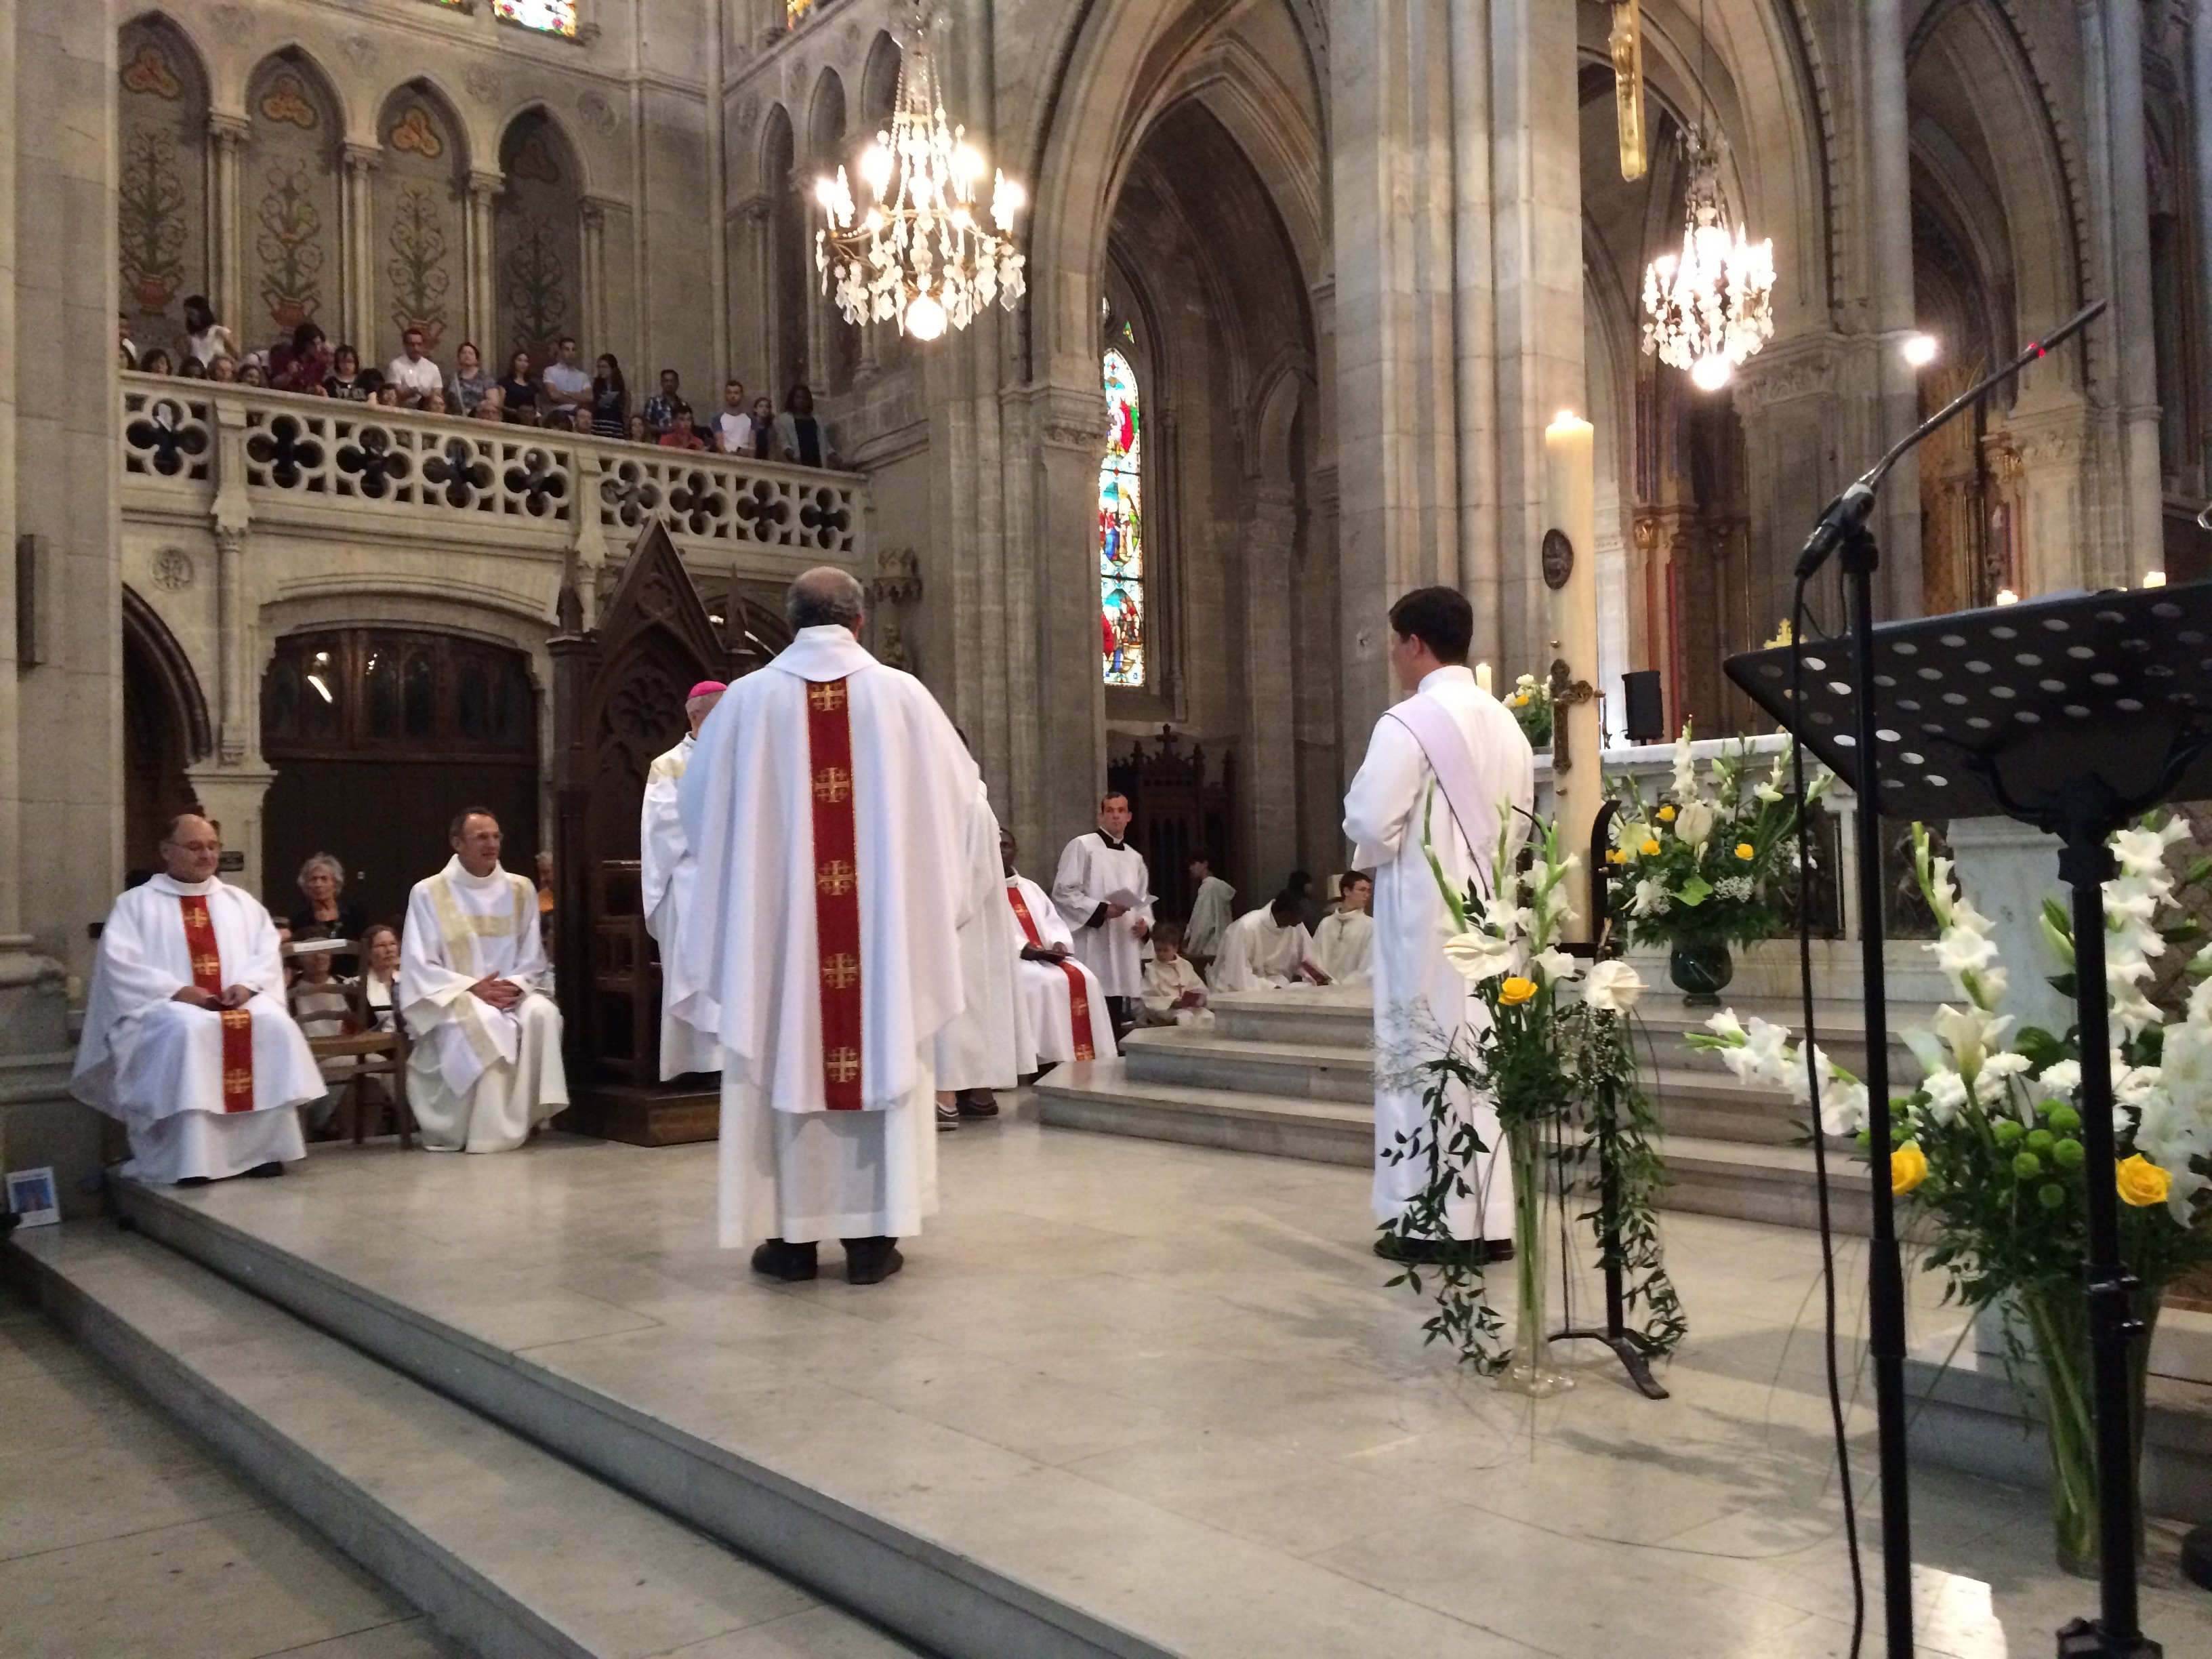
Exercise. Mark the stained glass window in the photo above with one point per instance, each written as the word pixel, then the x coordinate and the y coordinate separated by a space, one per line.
pixel 549 16
pixel 1121 528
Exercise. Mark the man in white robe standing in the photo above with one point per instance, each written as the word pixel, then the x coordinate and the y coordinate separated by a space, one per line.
pixel 1267 947
pixel 830 803
pixel 486 1065
pixel 187 1038
pixel 1345 941
pixel 666 874
pixel 1212 910
pixel 978 1052
pixel 1105 891
pixel 1452 741
pixel 1063 1008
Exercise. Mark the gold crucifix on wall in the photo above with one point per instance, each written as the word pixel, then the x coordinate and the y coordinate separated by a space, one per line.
pixel 1627 42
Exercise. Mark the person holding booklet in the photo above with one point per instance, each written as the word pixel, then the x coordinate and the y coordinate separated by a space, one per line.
pixel 1105 891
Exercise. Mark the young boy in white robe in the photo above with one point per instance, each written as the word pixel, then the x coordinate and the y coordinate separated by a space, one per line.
pixel 1174 994
pixel 1345 942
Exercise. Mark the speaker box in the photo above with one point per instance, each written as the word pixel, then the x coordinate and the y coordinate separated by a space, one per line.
pixel 1644 706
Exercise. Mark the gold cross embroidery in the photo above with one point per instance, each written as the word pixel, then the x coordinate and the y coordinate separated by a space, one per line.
pixel 843 1066
pixel 832 783
pixel 827 698
pixel 835 878
pixel 196 916
pixel 237 1081
pixel 206 965
pixel 840 972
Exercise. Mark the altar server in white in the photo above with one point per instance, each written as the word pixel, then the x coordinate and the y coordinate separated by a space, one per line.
pixel 1063 1005
pixel 1212 910
pixel 978 1049
pixel 1267 947
pixel 486 1065
pixel 666 874
pixel 1452 741
pixel 1105 891
pixel 186 1037
pixel 829 803
pixel 1345 941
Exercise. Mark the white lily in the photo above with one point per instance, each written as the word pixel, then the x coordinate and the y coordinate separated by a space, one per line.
pixel 1554 966
pixel 1969 1033
pixel 1650 897
pixel 1694 824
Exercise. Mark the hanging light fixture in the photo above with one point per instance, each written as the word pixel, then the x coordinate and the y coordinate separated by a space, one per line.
pixel 1711 308
pixel 920 253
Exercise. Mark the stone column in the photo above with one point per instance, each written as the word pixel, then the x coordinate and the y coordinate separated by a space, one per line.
pixel 593 300
pixel 2142 510
pixel 1889 266
pixel 226 136
pixel 357 237
pixel 718 208
pixel 2200 91
pixel 1267 774
pixel 754 214
pixel 1481 574
pixel 480 259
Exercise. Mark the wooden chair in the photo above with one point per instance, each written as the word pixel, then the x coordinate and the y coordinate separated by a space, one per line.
pixel 374 1053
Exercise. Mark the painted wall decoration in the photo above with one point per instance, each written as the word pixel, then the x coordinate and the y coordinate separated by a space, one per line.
pixel 537 240
pixel 420 200
pixel 290 177
pixel 160 181
pixel 1121 528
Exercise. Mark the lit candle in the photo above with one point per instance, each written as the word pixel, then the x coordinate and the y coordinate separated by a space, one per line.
pixel 1570 509
pixel 2153 579
pixel 2006 596
pixel 1482 676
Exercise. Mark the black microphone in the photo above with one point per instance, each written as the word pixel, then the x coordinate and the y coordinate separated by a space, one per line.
pixel 1847 515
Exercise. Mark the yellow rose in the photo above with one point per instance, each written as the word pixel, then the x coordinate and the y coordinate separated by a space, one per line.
pixel 1616 855
pixel 1520 700
pixel 1650 849
pixel 1666 815
pixel 1516 990
pixel 2142 1183
pixel 1745 851
pixel 1908 1168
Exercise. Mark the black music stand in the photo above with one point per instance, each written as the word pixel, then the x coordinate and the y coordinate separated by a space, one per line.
pixel 2076 715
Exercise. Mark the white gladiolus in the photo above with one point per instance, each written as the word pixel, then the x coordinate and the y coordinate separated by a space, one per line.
pixel 1725 1024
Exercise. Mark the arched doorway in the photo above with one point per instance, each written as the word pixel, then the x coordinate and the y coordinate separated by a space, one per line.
pixel 378 737
pixel 164 729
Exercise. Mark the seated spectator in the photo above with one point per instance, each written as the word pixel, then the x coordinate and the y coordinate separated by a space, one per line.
pixel 565 384
pixel 191 370
pixel 345 381
pixel 155 361
pixel 609 398
pixel 467 390
pixel 799 436
pixel 733 426
pixel 763 429
pixel 519 392
pixel 492 406
pixel 432 402
pixel 379 977
pixel 253 372
pixel 320 1008
pixel 205 336
pixel 123 341
pixel 680 433
pixel 323 910
pixel 660 407
pixel 387 396
pixel 639 432
pixel 301 363
pixel 412 371
pixel 223 369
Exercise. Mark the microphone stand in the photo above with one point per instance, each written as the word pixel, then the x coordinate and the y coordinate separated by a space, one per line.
pixel 1843 531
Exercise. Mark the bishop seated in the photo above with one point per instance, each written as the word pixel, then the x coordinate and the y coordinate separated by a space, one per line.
pixel 1060 1002
pixel 1269 947
pixel 485 1069
pixel 186 1037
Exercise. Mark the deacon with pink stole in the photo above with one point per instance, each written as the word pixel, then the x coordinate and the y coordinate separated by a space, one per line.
pixel 830 803
pixel 1452 756
pixel 667 875
pixel 186 1037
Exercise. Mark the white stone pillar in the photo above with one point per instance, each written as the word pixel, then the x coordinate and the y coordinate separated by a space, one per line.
pixel 480 262
pixel 1889 266
pixel 2200 98
pixel 592 302
pixel 226 136
pixel 357 240
pixel 1267 774
pixel 1481 574
pixel 2142 510
pixel 718 208
pixel 754 215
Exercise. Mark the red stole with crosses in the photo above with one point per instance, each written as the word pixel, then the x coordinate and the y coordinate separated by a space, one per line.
pixel 237 1024
pixel 836 890
pixel 1078 988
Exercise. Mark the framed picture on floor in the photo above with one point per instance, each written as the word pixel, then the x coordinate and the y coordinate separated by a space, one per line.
pixel 31 1197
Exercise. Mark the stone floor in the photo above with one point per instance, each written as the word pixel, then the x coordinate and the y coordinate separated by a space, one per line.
pixel 120 1537
pixel 1163 1379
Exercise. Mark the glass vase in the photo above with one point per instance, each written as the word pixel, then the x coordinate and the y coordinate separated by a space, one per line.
pixel 2058 1324
pixel 1530 1370
pixel 1701 969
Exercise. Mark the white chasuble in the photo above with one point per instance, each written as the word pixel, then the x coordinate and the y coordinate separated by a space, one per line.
pixel 203 1093
pixel 1210 916
pixel 1345 946
pixel 980 1047
pixel 830 806
pixel 1063 1006
pixel 478 1077
pixel 1092 872
pixel 1420 999
pixel 1256 953
pixel 666 876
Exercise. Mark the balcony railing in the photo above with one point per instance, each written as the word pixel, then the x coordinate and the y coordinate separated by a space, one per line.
pixel 449 474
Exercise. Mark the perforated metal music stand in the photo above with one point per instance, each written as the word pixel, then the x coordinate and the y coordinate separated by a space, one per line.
pixel 2076 715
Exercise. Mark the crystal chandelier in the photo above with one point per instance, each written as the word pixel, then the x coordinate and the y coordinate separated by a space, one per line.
pixel 919 253
pixel 1712 308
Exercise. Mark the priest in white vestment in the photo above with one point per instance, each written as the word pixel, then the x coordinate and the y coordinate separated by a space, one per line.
pixel 485 1068
pixel 187 1038
pixel 1267 947
pixel 1105 891
pixel 1063 1007
pixel 830 803
pixel 978 1051
pixel 1213 908
pixel 666 873
pixel 1345 941
pixel 1455 742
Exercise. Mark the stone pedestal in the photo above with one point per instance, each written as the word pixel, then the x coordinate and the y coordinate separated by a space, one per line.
pixel 39 1123
pixel 2006 869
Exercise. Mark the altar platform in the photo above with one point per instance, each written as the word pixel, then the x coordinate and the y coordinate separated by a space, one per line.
pixel 1128 1397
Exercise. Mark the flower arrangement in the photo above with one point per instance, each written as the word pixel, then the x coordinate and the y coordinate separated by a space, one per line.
pixel 1987 1150
pixel 1530 702
pixel 1554 1053
pixel 1706 863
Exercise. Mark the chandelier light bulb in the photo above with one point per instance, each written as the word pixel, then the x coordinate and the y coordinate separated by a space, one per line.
pixel 876 168
pixel 925 317
pixel 1920 350
pixel 1712 373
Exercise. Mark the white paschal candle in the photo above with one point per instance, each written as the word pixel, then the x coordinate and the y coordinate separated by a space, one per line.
pixel 1482 677
pixel 1571 508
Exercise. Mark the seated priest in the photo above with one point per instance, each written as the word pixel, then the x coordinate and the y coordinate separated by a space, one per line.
pixel 667 875
pixel 1061 1007
pixel 1174 994
pixel 486 1067
pixel 1344 943
pixel 979 1050
pixel 1269 947
pixel 186 1037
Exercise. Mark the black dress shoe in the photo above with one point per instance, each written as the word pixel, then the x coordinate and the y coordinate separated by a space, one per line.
pixel 266 1171
pixel 872 1260
pixel 1437 1252
pixel 191 1181
pixel 789 1263
pixel 977 1102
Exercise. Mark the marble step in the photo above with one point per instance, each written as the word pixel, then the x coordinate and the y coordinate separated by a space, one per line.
pixel 1713 1106
pixel 1102 1097
pixel 1341 1020
pixel 1174 1057
pixel 1776 1185
pixel 510 1550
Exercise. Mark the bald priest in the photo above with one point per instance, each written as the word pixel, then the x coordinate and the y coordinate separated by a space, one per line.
pixel 186 1037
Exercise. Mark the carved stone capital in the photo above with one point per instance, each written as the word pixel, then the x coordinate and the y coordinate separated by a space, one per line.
pixel 486 188
pixel 2054 440
pixel 1788 373
pixel 1069 418
pixel 360 158
pixel 227 131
